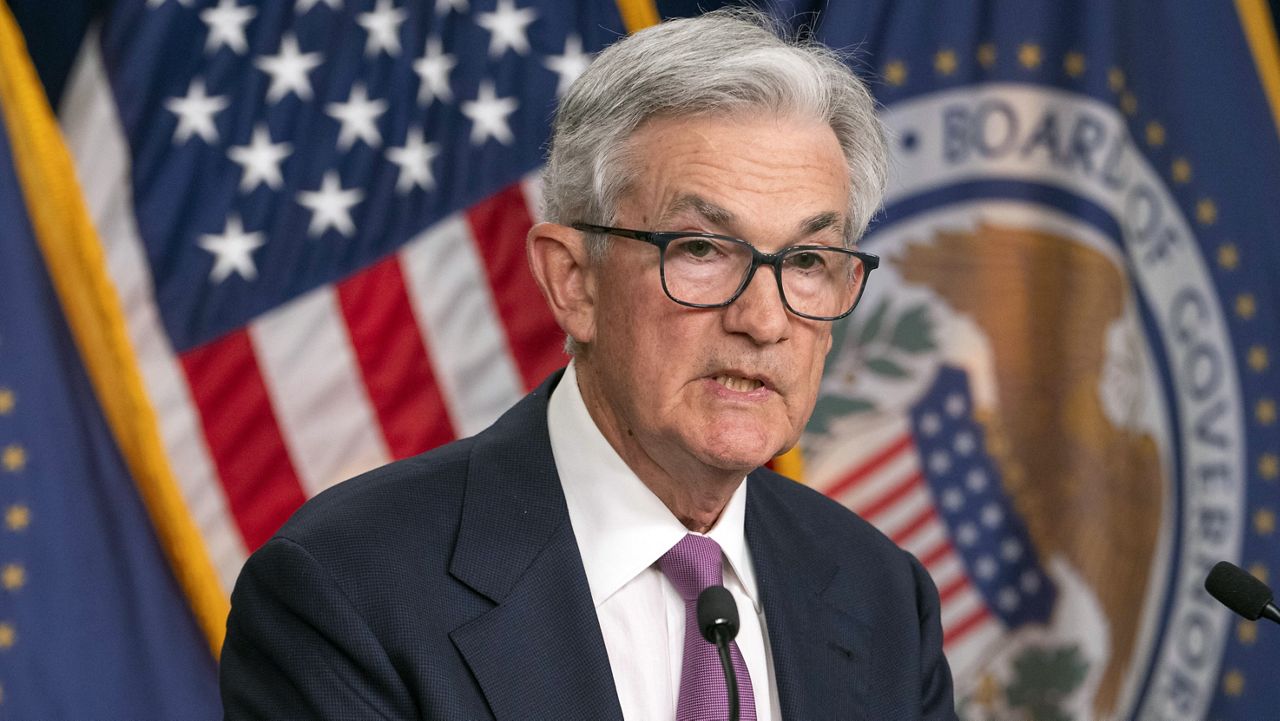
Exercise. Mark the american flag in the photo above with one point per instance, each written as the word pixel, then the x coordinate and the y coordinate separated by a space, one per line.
pixel 314 215
pixel 928 483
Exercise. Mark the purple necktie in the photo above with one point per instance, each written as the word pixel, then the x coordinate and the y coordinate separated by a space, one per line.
pixel 692 565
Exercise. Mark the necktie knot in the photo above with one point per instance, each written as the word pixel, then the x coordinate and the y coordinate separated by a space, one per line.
pixel 692 565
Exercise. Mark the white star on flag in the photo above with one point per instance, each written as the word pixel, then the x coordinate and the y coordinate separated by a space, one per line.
pixel 330 206
pixel 444 6
pixel 260 160
pixel 195 113
pixel 433 68
pixel 414 159
pixel 507 26
pixel 288 70
pixel 158 3
pixel 358 117
pixel 488 114
pixel 383 26
pixel 232 251
pixel 569 65
pixel 304 6
pixel 226 26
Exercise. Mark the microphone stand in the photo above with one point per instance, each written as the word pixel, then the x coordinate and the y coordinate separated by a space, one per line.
pixel 718 622
pixel 730 678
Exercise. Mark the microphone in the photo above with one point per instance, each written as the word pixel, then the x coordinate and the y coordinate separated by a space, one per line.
pixel 1239 591
pixel 718 622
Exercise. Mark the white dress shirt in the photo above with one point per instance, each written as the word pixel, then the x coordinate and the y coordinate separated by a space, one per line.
pixel 622 529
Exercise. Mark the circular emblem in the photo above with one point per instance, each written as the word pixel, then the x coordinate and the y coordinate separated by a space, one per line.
pixel 1038 398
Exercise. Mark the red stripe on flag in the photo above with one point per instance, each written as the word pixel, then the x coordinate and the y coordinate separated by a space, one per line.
pixel 932 557
pixel 965 625
pixel 890 497
pixel 243 435
pixel 915 524
pixel 871 465
pixel 952 588
pixel 499 225
pixel 393 359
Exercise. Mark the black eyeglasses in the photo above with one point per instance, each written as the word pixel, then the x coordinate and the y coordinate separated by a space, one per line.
pixel 703 270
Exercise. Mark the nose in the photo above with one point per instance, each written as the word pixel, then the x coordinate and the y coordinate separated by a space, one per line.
pixel 758 313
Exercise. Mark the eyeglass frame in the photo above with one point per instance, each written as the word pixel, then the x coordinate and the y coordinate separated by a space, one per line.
pixel 661 239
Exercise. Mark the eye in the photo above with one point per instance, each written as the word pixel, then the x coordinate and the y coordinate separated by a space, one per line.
pixel 806 260
pixel 694 247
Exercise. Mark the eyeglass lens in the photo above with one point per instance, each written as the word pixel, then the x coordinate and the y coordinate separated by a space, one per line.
pixel 821 282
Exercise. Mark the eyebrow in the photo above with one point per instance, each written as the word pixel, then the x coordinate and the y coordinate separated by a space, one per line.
pixel 709 211
pixel 723 218
pixel 822 221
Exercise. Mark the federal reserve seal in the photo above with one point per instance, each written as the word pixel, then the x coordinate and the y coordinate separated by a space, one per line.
pixel 1039 399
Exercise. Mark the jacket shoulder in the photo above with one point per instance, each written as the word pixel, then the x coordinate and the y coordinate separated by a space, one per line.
pixel 824 518
pixel 404 498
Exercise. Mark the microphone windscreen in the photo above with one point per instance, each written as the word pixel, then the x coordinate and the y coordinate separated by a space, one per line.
pixel 1237 590
pixel 717 609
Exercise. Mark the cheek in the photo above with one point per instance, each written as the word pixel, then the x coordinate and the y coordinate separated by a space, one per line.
pixel 637 340
pixel 661 354
pixel 816 361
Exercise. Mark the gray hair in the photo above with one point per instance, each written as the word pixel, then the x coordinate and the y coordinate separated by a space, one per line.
pixel 724 62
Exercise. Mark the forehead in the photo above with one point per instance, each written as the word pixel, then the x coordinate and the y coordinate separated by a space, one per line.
pixel 737 170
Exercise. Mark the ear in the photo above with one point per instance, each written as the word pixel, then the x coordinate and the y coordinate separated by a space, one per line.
pixel 558 259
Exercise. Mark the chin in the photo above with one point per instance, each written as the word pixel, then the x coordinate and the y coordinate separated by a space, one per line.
pixel 734 449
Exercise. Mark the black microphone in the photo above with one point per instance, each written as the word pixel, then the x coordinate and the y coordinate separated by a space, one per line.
pixel 718 621
pixel 1239 591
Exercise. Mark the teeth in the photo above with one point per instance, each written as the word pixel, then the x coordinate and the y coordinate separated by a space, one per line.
pixel 742 385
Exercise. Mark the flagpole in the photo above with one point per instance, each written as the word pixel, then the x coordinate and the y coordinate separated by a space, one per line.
pixel 1260 32
pixel 638 14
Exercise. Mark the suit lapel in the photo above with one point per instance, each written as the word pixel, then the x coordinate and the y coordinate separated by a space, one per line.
pixel 539 652
pixel 819 656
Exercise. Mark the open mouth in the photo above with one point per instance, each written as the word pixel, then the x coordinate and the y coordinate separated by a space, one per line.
pixel 741 385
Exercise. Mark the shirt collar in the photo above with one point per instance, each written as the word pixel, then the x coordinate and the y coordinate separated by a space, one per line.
pixel 621 527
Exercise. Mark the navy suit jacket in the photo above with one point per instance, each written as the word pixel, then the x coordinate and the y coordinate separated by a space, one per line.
pixel 450 586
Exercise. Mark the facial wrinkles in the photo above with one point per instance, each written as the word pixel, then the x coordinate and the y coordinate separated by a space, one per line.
pixel 703 170
pixel 773 196
pixel 691 199
pixel 766 367
pixel 696 212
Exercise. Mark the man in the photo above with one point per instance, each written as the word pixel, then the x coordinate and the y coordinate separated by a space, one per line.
pixel 705 185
